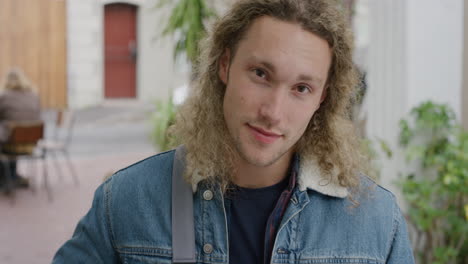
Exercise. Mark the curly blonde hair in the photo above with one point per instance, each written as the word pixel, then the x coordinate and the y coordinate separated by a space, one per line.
pixel 330 136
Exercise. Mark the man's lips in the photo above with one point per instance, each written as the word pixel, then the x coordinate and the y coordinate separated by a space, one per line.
pixel 263 135
pixel 266 133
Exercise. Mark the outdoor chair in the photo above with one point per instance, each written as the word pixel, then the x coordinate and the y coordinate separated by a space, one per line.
pixel 60 142
pixel 22 143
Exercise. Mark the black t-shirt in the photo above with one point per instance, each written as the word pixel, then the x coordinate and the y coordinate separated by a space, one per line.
pixel 249 210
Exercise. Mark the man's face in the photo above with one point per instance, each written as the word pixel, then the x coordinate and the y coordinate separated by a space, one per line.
pixel 274 84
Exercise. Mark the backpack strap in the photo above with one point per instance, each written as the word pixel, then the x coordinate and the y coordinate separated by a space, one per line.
pixel 183 231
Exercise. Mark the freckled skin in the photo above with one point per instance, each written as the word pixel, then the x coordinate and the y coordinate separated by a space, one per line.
pixel 275 83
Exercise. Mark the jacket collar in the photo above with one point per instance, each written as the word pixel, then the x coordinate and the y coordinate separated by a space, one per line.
pixel 311 177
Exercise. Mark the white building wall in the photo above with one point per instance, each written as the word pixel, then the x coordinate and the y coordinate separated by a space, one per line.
pixel 84 53
pixel 157 75
pixel 435 47
pixel 415 54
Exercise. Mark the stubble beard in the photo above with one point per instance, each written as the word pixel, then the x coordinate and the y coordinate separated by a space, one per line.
pixel 242 152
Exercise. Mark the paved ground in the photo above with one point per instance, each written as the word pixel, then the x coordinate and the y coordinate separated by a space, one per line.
pixel 106 139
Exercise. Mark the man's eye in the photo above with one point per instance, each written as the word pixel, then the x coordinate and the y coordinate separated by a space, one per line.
pixel 260 73
pixel 303 89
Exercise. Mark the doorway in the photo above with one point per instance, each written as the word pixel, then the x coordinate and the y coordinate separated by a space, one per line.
pixel 120 50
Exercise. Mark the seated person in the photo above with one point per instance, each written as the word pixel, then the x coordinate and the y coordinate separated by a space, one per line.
pixel 18 102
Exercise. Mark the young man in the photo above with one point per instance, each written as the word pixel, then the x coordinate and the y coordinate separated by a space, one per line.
pixel 271 156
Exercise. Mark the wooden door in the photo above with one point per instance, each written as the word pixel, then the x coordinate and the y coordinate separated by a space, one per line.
pixel 33 38
pixel 120 50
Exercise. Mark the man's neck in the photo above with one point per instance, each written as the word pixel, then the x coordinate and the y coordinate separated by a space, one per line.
pixel 252 176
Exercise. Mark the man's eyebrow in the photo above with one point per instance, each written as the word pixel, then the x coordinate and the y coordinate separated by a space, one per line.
pixel 309 78
pixel 268 65
pixel 302 77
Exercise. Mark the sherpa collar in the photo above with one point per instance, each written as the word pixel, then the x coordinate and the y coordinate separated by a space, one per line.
pixel 311 177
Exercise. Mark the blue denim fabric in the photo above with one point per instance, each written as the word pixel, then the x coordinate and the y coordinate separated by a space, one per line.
pixel 130 222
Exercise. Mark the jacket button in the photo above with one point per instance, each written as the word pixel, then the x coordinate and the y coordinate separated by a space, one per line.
pixel 208 248
pixel 208 195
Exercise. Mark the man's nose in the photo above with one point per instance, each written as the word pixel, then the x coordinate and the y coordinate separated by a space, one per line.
pixel 273 106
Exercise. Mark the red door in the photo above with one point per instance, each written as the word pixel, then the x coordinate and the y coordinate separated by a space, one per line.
pixel 120 50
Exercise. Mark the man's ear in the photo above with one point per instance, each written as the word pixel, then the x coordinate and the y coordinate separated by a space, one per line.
pixel 223 71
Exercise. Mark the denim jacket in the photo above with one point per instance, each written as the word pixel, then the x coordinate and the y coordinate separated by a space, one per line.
pixel 130 222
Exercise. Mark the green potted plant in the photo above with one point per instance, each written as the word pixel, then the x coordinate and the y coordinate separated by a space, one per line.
pixel 436 191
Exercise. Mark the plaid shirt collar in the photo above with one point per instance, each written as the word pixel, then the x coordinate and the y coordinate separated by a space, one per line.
pixel 276 215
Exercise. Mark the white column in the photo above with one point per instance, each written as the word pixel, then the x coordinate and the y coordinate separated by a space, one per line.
pixel 464 99
pixel 386 99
